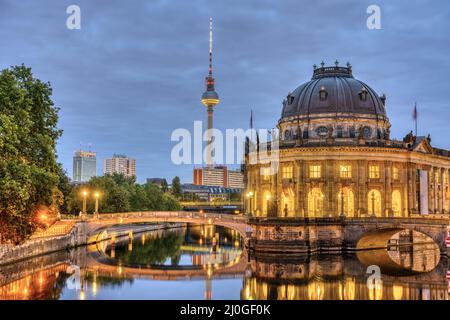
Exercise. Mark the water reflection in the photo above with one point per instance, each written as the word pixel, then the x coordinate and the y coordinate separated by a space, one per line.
pixel 190 247
pixel 206 262
pixel 336 277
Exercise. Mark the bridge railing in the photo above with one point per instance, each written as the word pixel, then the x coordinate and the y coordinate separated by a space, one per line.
pixel 170 214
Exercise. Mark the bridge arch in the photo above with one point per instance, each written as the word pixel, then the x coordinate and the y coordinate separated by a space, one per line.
pixel 96 225
pixel 385 237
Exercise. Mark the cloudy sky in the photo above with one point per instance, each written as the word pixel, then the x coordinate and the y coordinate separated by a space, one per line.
pixel 135 70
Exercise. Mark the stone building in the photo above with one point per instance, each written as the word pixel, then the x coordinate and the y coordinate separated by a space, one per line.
pixel 336 157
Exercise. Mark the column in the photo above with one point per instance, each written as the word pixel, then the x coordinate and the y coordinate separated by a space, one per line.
pixel 298 188
pixel 441 190
pixel 329 191
pixel 304 189
pixel 388 188
pixel 362 187
pixel 413 206
pixel 431 190
pixel 279 211
pixel 258 190
pixel 448 192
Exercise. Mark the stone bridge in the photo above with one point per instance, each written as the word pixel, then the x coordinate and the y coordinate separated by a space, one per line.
pixel 293 235
pixel 96 224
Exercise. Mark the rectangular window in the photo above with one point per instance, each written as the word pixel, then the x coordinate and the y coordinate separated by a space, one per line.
pixel 315 171
pixel 340 132
pixel 345 171
pixel 374 172
pixel 395 173
pixel 286 172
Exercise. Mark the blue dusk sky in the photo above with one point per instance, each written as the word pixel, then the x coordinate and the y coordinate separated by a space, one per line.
pixel 135 70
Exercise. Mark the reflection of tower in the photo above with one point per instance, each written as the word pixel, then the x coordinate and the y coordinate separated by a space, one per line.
pixel 210 99
pixel 208 283
pixel 208 289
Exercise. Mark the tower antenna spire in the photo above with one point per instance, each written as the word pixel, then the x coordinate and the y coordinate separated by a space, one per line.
pixel 210 99
pixel 210 45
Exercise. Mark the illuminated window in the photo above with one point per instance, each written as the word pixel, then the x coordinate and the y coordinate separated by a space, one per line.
pixel 286 172
pixel 345 171
pixel 397 203
pixel 374 172
pixel 266 173
pixel 314 171
pixel 395 174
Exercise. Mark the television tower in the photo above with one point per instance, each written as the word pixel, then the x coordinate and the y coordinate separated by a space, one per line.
pixel 210 99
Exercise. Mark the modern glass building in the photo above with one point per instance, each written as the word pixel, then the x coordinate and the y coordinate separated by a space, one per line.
pixel 84 166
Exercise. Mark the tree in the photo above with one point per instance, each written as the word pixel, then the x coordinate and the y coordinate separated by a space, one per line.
pixel 28 167
pixel 164 185
pixel 121 194
pixel 176 187
pixel 64 187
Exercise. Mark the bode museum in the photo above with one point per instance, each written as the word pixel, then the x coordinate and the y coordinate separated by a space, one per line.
pixel 336 158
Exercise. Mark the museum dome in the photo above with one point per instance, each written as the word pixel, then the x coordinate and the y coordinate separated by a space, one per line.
pixel 333 90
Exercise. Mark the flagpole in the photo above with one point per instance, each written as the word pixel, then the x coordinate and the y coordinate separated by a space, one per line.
pixel 415 109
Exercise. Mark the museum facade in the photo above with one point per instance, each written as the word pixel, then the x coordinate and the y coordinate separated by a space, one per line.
pixel 336 158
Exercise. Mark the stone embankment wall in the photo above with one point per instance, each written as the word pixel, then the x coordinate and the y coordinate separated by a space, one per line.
pixel 78 236
pixel 10 253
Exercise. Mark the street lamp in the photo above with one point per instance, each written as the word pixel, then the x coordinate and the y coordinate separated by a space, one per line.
pixel 96 203
pixel 84 201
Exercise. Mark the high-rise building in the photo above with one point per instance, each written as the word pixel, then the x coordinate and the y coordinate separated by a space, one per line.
pixel 120 164
pixel 218 176
pixel 84 166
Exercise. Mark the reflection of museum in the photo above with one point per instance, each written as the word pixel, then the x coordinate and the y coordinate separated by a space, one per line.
pixel 336 157
pixel 333 277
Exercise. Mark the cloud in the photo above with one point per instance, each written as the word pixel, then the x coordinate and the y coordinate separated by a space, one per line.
pixel 135 71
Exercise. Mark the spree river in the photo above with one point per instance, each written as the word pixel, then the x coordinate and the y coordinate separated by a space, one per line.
pixel 209 262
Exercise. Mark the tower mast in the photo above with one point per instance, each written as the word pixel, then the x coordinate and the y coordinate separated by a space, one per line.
pixel 210 99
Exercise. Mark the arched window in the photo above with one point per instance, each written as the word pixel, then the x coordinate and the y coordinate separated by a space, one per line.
pixel 397 203
pixel 315 203
pixel 374 202
pixel 349 202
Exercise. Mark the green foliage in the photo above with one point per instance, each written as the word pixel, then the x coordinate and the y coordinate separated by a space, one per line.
pixel 154 252
pixel 121 194
pixel 28 168
pixel 64 187
pixel 176 188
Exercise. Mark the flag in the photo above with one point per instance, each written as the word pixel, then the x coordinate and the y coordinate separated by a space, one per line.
pixel 251 119
pixel 415 112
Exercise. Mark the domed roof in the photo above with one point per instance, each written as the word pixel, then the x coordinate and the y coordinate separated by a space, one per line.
pixel 333 90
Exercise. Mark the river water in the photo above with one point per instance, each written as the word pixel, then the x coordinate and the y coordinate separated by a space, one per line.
pixel 208 262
